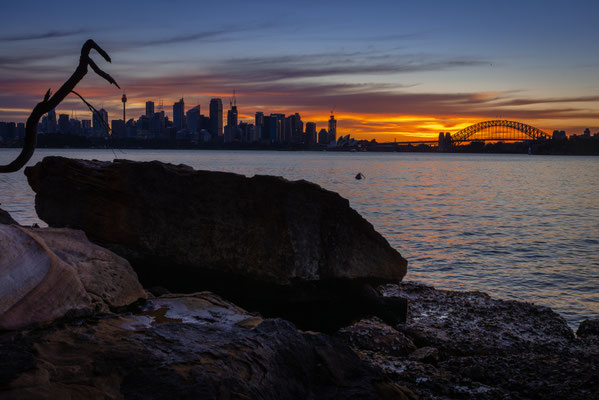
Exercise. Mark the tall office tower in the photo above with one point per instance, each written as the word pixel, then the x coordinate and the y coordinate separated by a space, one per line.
pixel 232 117
pixel 323 136
pixel 259 126
pixel 216 117
pixel 157 125
pixel 280 127
pixel 118 128
pixel 63 124
pixel 294 128
pixel 179 115
pixel 332 129
pixel 193 119
pixel 310 137
pixel 51 124
pixel 100 122
pixel 149 109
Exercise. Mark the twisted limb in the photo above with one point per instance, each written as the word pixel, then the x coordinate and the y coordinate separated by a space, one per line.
pixel 52 101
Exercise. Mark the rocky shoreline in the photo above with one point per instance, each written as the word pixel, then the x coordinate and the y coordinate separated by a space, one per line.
pixel 75 322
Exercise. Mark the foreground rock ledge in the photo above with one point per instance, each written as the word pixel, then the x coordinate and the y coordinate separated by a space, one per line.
pixel 184 347
pixel 47 273
pixel 264 242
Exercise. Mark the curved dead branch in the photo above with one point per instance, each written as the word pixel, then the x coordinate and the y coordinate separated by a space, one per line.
pixel 51 102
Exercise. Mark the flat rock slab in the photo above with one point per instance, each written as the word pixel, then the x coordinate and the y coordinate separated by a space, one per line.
pixel 264 228
pixel 185 347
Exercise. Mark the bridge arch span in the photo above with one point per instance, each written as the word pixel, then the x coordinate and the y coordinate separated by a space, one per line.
pixel 527 132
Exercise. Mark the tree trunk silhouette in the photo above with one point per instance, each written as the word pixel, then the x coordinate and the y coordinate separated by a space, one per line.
pixel 51 102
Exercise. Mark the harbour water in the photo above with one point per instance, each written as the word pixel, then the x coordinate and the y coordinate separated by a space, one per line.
pixel 515 226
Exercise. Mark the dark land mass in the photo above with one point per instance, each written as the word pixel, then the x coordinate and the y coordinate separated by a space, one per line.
pixel 575 145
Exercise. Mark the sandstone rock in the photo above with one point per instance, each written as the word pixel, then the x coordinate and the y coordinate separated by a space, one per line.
pixel 197 347
pixel 6 219
pixel 47 274
pixel 108 278
pixel 289 249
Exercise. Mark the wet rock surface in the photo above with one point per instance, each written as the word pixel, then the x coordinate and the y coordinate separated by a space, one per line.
pixel 286 249
pixel 468 345
pixel 187 347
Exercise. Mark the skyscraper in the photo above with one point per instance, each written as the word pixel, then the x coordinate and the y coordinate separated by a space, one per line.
pixel 280 127
pixel 310 137
pixel 232 116
pixel 259 127
pixel 332 129
pixel 216 117
pixel 149 109
pixel 51 123
pixel 63 124
pixel 100 122
pixel 179 115
pixel 193 119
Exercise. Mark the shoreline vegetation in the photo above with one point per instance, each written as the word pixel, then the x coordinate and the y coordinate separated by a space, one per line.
pixel 142 303
pixel 575 145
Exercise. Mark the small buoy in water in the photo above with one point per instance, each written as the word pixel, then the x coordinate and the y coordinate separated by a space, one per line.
pixel 360 176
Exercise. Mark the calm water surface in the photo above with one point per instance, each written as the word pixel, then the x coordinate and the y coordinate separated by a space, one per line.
pixel 517 227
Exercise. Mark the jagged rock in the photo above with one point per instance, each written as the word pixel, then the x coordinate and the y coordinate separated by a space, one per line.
pixel 6 219
pixel 196 347
pixel 47 274
pixel 374 335
pixel 429 355
pixel 588 327
pixel 289 249
pixel 476 347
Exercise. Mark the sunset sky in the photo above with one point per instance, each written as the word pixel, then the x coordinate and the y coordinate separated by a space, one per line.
pixel 392 70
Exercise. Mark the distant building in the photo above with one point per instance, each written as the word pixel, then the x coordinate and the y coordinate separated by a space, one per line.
pixel 118 128
pixel 149 109
pixel 193 120
pixel 157 125
pixel 216 117
pixel 51 125
pixel 179 115
pixel 310 135
pixel 63 124
pixel 259 126
pixel 332 129
pixel 75 126
pixel 279 126
pixel 20 130
pixel 294 129
pixel 232 116
pixel 587 133
pixel 323 136
pixel 559 135
pixel 100 122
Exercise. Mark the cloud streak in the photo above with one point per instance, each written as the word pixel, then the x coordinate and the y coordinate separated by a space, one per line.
pixel 43 35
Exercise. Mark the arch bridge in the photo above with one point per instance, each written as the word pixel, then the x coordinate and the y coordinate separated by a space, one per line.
pixel 498 129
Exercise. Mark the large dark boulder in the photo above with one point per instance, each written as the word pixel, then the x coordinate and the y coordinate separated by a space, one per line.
pixel 264 242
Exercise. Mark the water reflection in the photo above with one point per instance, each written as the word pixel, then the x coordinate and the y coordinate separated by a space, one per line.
pixel 515 226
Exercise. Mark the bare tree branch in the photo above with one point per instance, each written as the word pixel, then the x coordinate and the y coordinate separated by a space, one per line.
pixel 51 102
